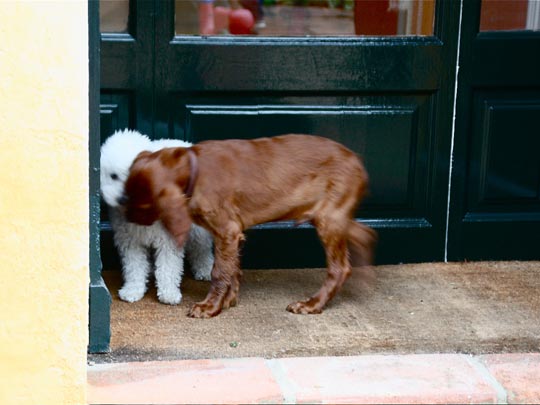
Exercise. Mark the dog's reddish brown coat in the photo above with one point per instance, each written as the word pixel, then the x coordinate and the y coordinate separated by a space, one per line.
pixel 242 183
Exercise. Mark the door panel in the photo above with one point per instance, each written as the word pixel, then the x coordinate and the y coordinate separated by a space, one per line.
pixel 503 204
pixel 505 59
pixel 505 127
pixel 302 64
pixel 389 132
pixel 389 137
pixel 495 202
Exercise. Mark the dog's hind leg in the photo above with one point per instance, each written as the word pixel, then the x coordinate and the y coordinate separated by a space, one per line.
pixel 332 232
pixel 362 243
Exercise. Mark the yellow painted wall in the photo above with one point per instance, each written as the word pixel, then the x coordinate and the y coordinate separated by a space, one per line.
pixel 43 201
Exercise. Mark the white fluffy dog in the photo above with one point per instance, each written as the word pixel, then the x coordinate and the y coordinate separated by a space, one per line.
pixel 134 241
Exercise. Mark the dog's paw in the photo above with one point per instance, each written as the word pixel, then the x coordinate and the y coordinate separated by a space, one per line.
pixel 171 296
pixel 130 293
pixel 304 307
pixel 204 310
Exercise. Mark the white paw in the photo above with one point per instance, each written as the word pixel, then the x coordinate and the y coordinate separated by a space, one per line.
pixel 171 296
pixel 131 293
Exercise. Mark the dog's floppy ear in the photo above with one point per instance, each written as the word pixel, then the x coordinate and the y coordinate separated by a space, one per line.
pixel 172 206
pixel 178 153
pixel 144 154
pixel 171 157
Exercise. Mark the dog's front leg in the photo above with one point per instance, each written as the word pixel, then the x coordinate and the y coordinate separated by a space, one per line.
pixel 169 261
pixel 226 275
pixel 135 269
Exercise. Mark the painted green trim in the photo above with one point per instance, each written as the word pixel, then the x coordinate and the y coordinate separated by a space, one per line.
pixel 100 299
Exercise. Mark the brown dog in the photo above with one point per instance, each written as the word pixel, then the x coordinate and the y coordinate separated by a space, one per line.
pixel 229 186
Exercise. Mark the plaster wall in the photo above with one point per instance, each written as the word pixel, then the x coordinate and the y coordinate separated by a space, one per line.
pixel 43 202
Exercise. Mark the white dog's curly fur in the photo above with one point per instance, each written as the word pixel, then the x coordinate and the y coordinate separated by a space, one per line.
pixel 134 241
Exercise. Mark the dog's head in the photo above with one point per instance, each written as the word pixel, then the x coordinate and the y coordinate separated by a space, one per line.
pixel 117 155
pixel 154 189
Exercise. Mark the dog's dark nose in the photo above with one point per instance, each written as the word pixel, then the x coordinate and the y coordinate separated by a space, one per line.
pixel 123 199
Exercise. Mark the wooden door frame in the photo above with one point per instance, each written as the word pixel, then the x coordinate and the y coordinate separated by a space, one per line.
pixel 100 299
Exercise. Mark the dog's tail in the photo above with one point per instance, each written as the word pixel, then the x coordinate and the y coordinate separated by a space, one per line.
pixel 362 241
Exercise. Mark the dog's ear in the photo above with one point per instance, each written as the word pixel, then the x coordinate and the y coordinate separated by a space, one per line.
pixel 178 153
pixel 173 212
pixel 143 155
pixel 171 157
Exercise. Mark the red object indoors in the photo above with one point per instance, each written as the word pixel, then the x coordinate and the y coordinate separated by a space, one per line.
pixel 241 22
pixel 374 17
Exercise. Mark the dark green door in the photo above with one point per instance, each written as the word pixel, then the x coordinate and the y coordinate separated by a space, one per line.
pixel 384 89
pixel 495 199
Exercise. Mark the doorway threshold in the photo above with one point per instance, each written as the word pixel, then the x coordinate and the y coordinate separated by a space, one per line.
pixel 475 308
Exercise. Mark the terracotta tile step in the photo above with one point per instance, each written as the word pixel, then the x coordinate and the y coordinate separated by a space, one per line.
pixel 422 378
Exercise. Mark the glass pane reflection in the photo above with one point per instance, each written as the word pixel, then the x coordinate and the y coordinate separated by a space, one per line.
pixel 304 17
pixel 113 15
pixel 505 15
